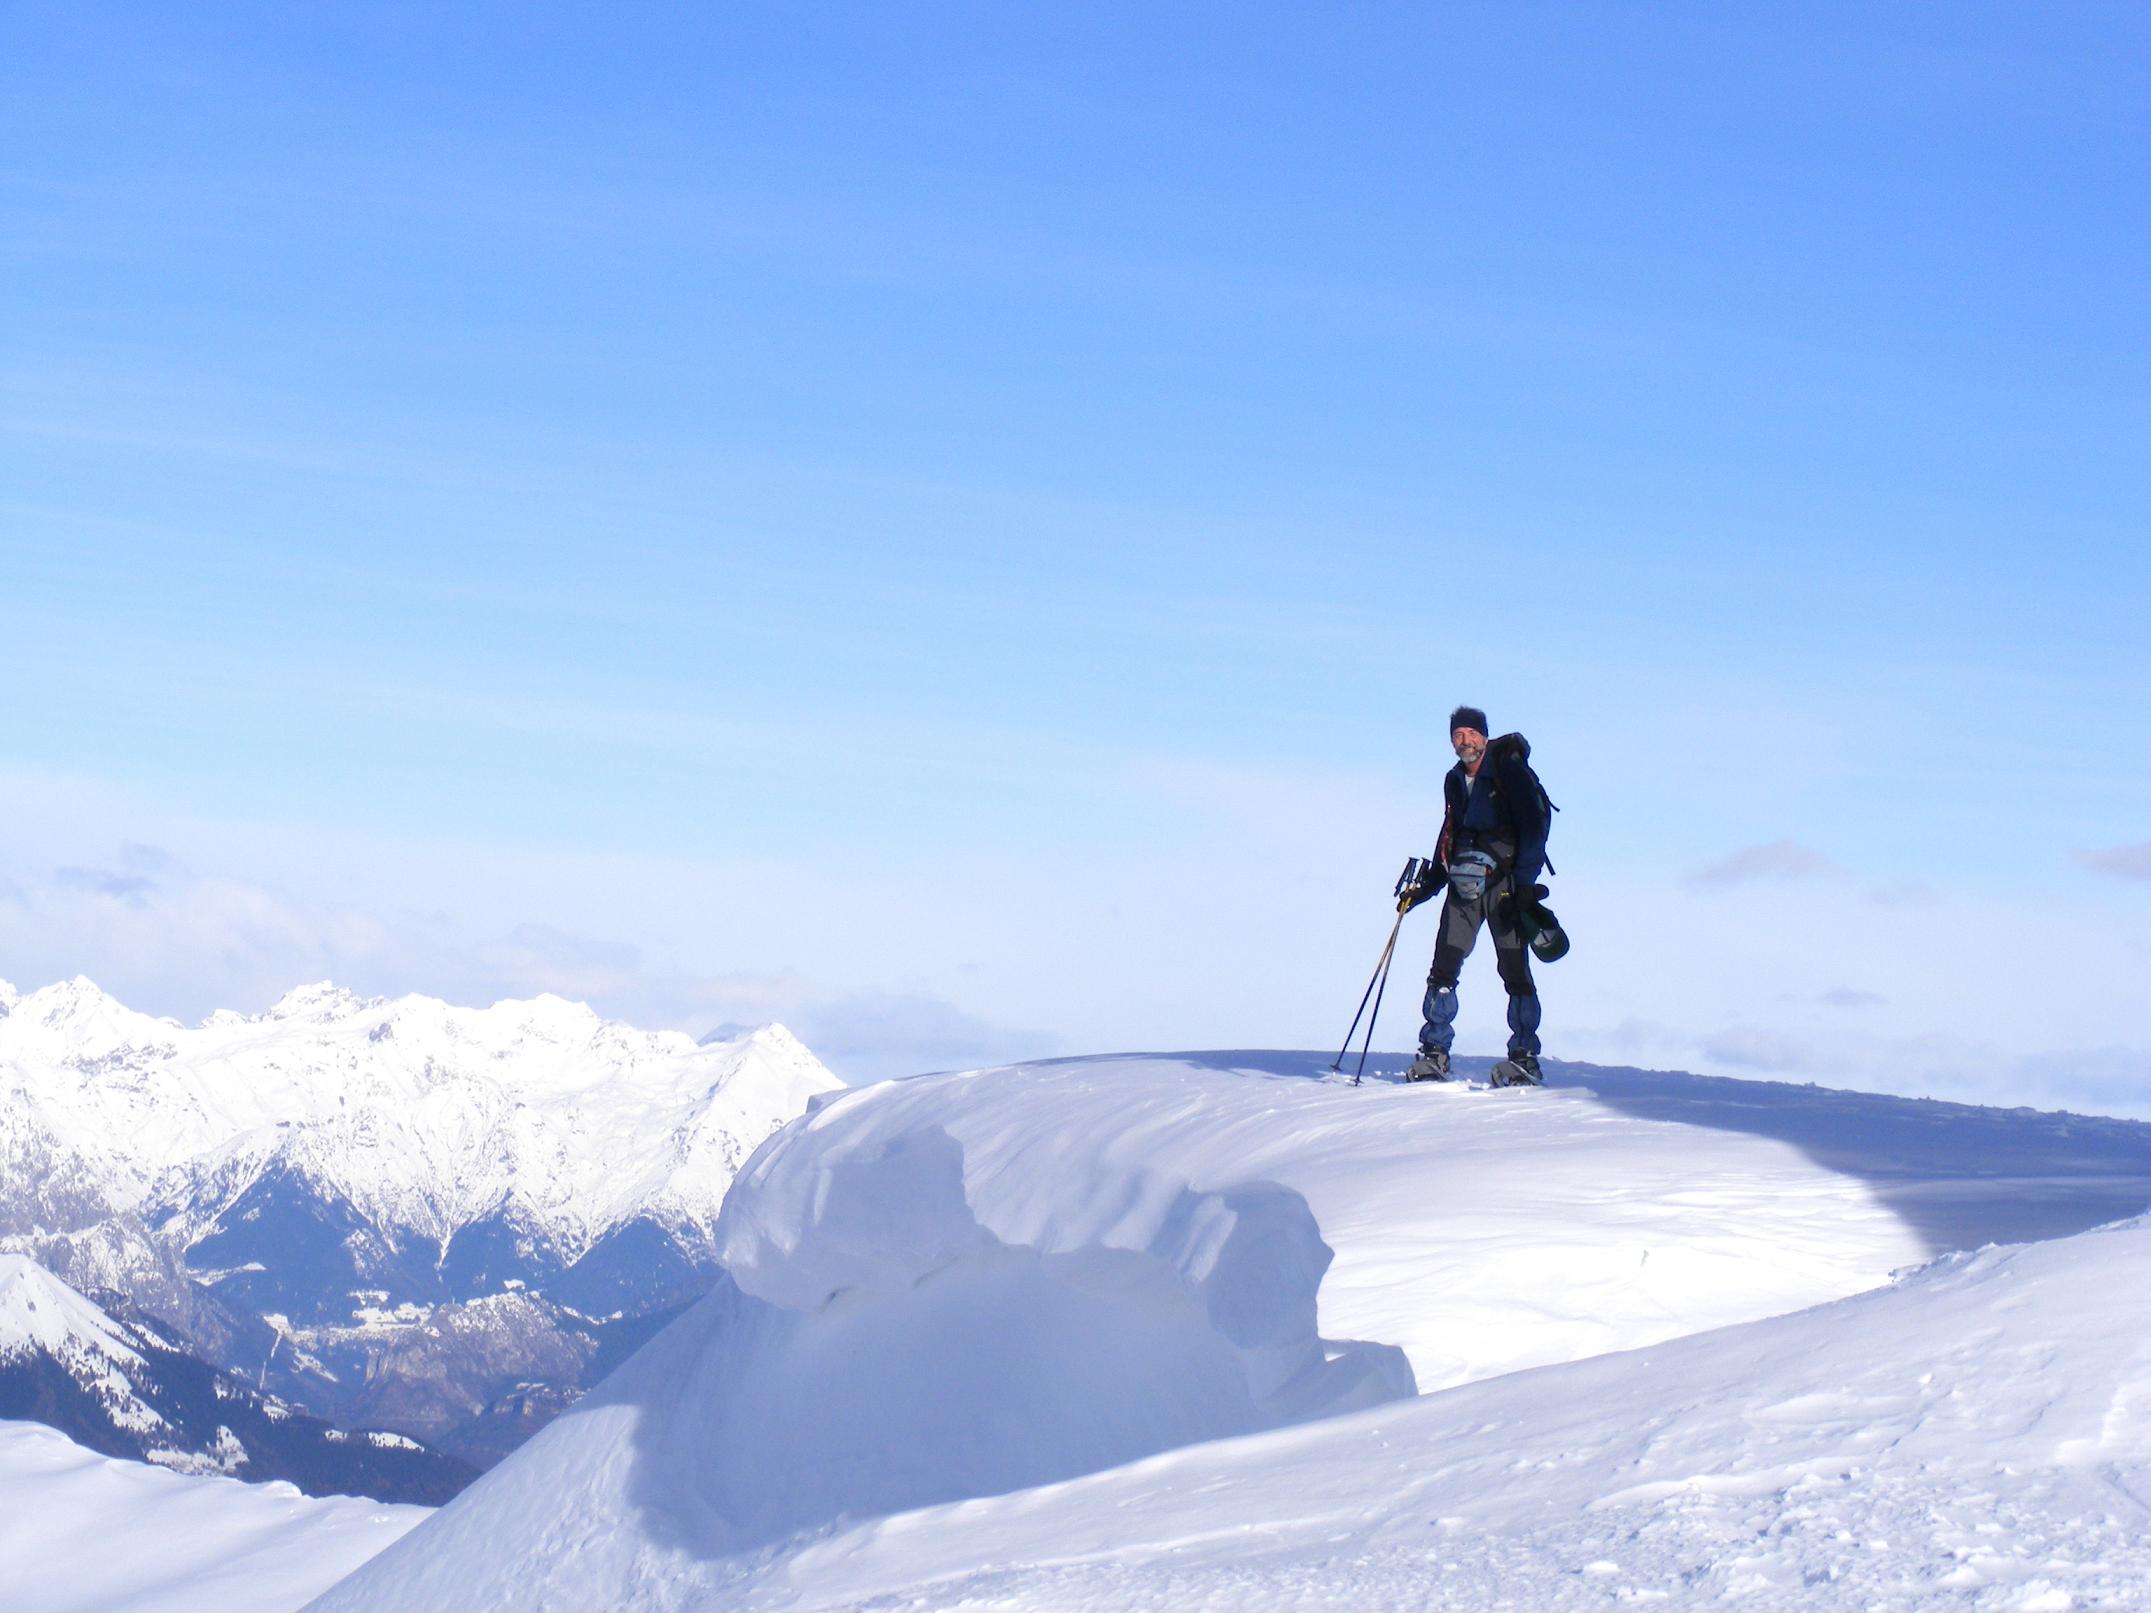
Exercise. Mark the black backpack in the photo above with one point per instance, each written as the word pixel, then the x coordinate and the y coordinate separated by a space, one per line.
pixel 1515 748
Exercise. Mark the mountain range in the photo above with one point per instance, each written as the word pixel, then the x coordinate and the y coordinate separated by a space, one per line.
pixel 396 1213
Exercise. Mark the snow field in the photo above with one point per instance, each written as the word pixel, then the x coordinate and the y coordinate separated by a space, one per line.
pixel 82 1533
pixel 959 1313
pixel 1975 1437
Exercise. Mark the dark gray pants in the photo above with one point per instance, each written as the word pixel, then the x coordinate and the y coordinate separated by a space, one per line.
pixel 1460 921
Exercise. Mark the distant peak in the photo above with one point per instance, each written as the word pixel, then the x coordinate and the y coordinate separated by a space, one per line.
pixel 66 999
pixel 550 1002
pixel 323 999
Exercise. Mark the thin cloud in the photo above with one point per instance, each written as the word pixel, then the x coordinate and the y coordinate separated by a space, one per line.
pixel 1836 997
pixel 1850 997
pixel 135 889
pixel 1779 860
pixel 2113 1080
pixel 532 953
pixel 1751 1048
pixel 909 1031
pixel 141 858
pixel 2120 862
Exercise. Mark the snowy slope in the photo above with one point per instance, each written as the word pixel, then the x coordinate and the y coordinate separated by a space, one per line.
pixel 40 1315
pixel 1978 1436
pixel 82 1533
pixel 947 1301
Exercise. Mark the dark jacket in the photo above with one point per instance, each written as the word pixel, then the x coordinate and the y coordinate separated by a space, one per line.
pixel 1518 810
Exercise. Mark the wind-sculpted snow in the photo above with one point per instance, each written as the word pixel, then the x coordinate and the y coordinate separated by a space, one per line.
pixel 1977 1436
pixel 1486 1232
pixel 890 1347
pixel 953 1304
pixel 955 1308
pixel 878 1342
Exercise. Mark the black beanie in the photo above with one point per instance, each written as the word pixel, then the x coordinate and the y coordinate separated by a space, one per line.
pixel 1467 717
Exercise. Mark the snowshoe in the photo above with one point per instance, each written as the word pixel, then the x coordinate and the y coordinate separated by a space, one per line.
pixel 1428 1067
pixel 1518 1070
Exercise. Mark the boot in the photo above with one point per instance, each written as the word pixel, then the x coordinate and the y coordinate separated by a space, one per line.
pixel 1432 1066
pixel 1518 1070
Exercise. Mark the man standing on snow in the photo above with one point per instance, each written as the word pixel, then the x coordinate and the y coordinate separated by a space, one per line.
pixel 1493 843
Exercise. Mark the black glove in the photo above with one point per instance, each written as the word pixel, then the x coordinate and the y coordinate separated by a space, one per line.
pixel 1421 878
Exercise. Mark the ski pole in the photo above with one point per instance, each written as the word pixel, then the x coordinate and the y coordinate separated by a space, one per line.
pixel 1381 970
pixel 1377 1014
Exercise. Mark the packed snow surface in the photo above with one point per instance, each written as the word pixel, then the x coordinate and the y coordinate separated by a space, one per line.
pixel 1210 1332
pixel 83 1533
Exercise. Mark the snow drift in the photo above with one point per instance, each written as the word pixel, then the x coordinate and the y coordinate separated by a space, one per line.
pixel 877 1345
pixel 954 1309
pixel 1976 1436
pixel 882 1339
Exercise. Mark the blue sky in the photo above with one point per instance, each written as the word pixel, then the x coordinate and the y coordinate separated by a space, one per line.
pixel 960 526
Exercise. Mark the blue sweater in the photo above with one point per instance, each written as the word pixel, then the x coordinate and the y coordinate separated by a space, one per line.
pixel 1501 803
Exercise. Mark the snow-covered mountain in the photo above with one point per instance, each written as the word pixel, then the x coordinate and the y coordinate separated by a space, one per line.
pixel 398 1210
pixel 536 1120
pixel 129 1388
pixel 1212 1331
